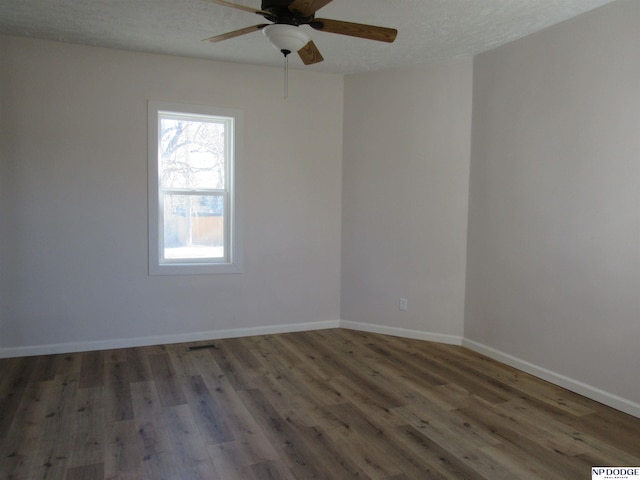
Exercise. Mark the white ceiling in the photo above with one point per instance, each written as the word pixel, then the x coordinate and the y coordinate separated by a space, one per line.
pixel 429 30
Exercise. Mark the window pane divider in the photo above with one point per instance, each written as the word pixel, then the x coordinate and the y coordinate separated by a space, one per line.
pixel 191 191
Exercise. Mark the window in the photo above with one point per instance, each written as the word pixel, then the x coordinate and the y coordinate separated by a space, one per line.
pixel 193 211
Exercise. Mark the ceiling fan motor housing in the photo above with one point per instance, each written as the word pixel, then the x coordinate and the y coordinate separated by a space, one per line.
pixel 275 3
pixel 280 13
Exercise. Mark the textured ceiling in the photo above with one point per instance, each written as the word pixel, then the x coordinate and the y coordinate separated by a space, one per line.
pixel 429 30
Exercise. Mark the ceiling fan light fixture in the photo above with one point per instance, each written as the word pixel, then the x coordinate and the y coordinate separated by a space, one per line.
pixel 286 38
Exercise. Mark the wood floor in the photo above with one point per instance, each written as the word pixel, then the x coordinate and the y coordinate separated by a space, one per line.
pixel 332 404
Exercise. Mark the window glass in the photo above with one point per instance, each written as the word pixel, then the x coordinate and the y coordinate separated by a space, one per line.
pixel 193 226
pixel 192 153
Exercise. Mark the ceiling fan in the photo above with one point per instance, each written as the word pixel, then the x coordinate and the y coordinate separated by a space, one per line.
pixel 287 16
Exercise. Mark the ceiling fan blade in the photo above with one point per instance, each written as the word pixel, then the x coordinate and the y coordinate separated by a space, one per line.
pixel 235 5
pixel 371 32
pixel 306 8
pixel 235 33
pixel 309 54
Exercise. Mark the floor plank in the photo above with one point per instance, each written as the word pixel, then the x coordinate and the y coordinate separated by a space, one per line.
pixel 333 404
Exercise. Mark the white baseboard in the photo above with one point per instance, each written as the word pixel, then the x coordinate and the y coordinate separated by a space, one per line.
pixel 606 398
pixel 162 339
pixel 588 391
pixel 402 332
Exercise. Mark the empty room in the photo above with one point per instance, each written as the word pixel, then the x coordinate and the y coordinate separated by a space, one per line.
pixel 380 240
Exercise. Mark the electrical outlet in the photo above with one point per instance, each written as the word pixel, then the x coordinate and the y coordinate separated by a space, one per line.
pixel 403 304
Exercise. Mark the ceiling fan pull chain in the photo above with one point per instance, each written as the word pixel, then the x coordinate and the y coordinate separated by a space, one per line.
pixel 286 76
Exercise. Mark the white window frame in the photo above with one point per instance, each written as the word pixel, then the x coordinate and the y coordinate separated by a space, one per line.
pixel 232 262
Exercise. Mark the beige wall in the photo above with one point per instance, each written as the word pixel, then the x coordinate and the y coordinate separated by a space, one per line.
pixel 405 188
pixel 74 196
pixel 554 232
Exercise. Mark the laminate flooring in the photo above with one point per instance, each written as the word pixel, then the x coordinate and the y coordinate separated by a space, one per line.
pixel 330 404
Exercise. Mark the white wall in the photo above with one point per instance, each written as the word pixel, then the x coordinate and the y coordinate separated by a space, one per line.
pixel 74 197
pixel 554 230
pixel 405 190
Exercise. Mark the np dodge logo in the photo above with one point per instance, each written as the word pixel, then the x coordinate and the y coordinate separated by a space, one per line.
pixel 615 473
